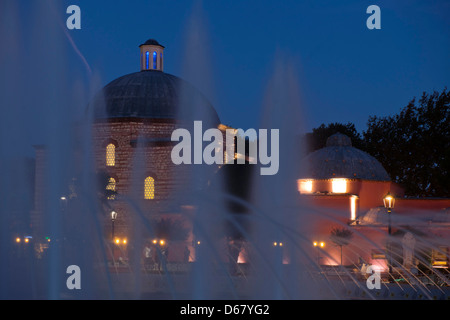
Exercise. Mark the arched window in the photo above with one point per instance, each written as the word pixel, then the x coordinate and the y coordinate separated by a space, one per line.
pixel 147 60
pixel 110 155
pixel 155 56
pixel 112 187
pixel 149 188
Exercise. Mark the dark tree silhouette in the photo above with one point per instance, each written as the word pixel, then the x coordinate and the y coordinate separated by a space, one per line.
pixel 317 139
pixel 414 145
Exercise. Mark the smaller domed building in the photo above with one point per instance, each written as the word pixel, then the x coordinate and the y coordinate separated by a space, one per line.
pixel 344 188
pixel 341 170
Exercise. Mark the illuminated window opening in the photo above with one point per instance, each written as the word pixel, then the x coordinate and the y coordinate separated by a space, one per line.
pixel 339 185
pixel 155 56
pixel 147 58
pixel 149 188
pixel 353 207
pixel 439 257
pixel 111 186
pixel 110 155
pixel 305 186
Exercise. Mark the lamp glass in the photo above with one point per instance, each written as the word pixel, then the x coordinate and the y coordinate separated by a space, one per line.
pixel 389 201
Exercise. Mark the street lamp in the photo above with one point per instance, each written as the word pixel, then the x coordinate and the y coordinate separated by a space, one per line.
pixel 113 219
pixel 319 245
pixel 389 202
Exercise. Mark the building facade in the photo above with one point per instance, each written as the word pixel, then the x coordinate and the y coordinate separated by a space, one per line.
pixel 345 187
pixel 134 117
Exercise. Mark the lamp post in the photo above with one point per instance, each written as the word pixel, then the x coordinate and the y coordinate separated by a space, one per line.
pixel 319 245
pixel 389 202
pixel 113 219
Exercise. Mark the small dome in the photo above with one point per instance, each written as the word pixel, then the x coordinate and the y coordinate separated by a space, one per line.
pixel 339 139
pixel 151 42
pixel 340 160
pixel 152 94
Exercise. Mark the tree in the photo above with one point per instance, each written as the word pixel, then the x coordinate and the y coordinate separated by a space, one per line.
pixel 317 139
pixel 341 237
pixel 414 145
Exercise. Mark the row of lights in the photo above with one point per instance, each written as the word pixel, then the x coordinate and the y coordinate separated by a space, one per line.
pixel 162 242
pixel 319 244
pixel 120 241
pixel 388 202
pixel 28 238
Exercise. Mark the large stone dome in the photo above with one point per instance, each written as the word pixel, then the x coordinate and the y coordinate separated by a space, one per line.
pixel 340 160
pixel 153 94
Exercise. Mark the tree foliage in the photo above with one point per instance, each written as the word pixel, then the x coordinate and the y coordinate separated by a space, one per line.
pixel 414 145
pixel 317 139
pixel 341 236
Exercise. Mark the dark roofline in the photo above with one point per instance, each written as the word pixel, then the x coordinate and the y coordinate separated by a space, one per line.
pixel 151 42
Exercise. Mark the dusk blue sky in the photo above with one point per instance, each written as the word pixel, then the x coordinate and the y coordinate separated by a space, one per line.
pixel 346 72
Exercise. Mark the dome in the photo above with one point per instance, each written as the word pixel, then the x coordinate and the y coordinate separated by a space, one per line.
pixel 340 160
pixel 339 140
pixel 152 94
pixel 151 42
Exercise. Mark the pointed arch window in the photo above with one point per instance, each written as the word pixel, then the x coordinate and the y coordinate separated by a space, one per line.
pixel 149 188
pixel 110 155
pixel 155 56
pixel 111 187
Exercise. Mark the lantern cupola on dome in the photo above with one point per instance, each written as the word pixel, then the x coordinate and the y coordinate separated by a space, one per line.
pixel 152 55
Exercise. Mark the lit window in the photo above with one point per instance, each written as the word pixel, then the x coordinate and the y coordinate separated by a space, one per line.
pixel 111 186
pixel 305 186
pixel 339 185
pixel 147 58
pixel 353 207
pixel 110 155
pixel 149 188
pixel 439 257
pixel 155 55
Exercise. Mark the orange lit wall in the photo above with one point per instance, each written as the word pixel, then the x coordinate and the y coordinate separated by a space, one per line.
pixel 328 210
pixel 371 193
